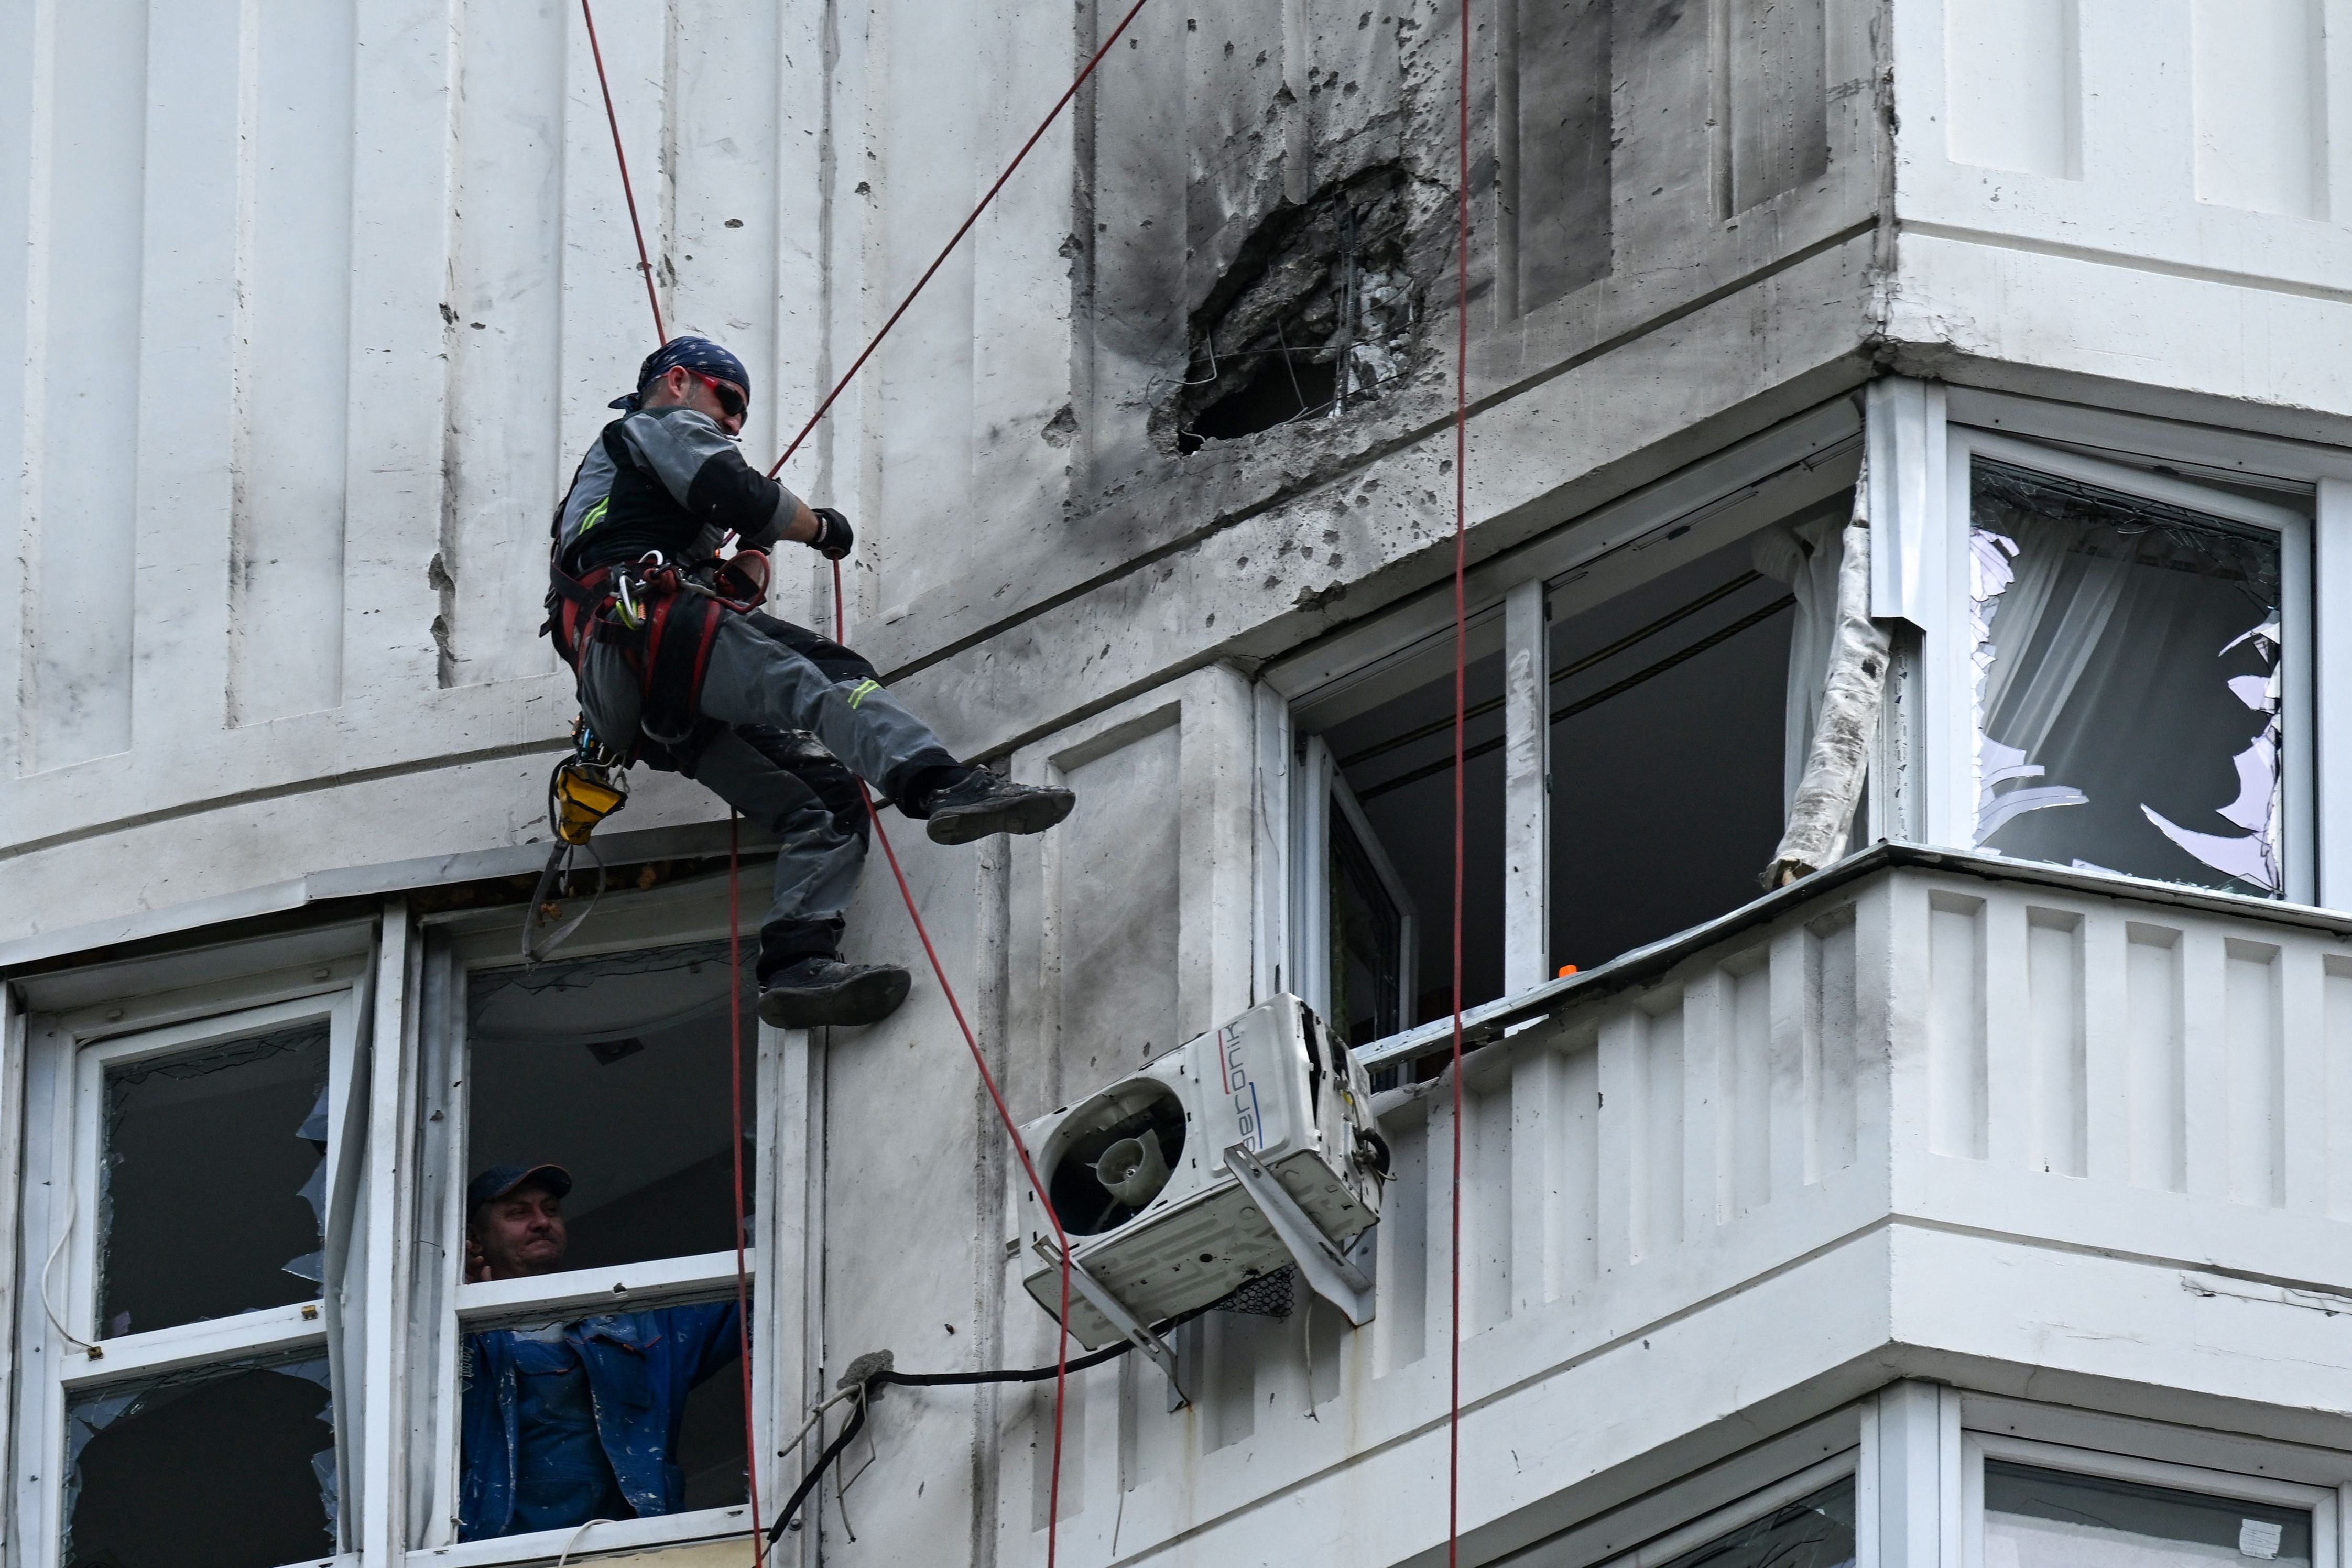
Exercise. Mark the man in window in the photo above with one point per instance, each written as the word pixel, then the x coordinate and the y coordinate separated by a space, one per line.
pixel 777 721
pixel 570 1422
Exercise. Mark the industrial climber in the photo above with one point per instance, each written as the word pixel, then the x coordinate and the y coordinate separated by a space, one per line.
pixel 568 1422
pixel 678 668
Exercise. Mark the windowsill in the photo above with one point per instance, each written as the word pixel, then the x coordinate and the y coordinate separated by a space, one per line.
pixel 256 1334
pixel 546 1545
pixel 586 1291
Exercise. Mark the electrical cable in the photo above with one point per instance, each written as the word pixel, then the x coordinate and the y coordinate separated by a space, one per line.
pixel 1003 1113
pixel 886 1377
pixel 1461 724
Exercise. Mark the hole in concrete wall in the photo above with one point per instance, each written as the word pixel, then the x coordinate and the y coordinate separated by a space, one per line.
pixel 1317 315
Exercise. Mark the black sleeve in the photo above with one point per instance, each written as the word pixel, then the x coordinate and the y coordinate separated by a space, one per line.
pixel 728 491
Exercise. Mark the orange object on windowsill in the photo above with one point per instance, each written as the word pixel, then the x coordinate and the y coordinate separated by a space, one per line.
pixel 1566 970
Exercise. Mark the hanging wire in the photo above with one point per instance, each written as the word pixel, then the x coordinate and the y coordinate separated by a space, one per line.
pixel 628 191
pixel 940 260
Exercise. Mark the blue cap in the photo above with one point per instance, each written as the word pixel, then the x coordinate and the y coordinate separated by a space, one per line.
pixel 500 1180
pixel 688 353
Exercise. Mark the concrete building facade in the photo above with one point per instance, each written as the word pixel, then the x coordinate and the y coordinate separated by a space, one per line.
pixel 1978 1202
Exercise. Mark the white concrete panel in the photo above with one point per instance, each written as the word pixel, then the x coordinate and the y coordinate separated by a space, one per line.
pixel 76 692
pixel 506 463
pixel 286 543
pixel 2261 105
pixel 2012 81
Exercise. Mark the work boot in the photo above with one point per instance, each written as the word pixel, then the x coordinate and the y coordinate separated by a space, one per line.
pixel 983 803
pixel 813 991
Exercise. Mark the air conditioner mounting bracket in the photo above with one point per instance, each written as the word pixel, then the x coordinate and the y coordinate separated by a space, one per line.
pixel 1321 1264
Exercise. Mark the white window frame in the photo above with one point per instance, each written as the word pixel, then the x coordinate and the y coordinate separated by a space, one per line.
pixel 445 1306
pixel 1952 796
pixel 2230 1485
pixel 1318 793
pixel 66 1061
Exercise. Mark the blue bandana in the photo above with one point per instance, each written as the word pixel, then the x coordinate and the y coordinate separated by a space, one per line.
pixel 688 353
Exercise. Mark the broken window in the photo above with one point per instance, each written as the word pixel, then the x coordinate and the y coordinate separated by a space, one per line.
pixel 225 1468
pixel 213 1181
pixel 616 1069
pixel 1813 1531
pixel 180 1311
pixel 2127 680
pixel 1316 314
pixel 2050 1518
pixel 1680 718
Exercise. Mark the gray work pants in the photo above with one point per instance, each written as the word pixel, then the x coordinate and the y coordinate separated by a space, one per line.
pixel 791 721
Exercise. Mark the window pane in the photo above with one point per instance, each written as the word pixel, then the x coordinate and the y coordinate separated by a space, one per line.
pixel 214 1183
pixel 217 1469
pixel 1399 759
pixel 1671 737
pixel 2047 1519
pixel 616 1068
pixel 2126 677
pixel 1814 1532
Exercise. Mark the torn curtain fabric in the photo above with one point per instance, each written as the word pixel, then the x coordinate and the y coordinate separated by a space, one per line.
pixel 1821 814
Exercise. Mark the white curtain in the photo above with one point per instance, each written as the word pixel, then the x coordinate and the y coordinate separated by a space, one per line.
pixel 1805 557
pixel 2084 653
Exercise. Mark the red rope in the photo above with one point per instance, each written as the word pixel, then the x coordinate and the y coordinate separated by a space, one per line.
pixel 956 239
pixel 1461 718
pixel 644 266
pixel 1061 1242
pixel 735 1143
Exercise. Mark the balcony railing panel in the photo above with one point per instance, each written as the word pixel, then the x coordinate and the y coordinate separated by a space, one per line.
pixel 2041 1055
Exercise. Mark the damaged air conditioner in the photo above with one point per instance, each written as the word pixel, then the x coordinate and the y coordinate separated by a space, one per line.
pixel 1161 1220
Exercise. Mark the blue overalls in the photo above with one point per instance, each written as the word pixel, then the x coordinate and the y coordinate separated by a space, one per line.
pixel 557 1430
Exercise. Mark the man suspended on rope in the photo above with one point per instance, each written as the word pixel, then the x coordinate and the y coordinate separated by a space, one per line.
pixel 678 669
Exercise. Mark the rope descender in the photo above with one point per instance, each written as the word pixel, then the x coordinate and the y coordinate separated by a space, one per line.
pixel 586 787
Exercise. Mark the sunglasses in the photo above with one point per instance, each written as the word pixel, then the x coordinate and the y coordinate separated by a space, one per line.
pixel 731 396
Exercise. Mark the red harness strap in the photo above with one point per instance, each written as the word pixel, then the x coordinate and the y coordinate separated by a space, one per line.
pixel 678 620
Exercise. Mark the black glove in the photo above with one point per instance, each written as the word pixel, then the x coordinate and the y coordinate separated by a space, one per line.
pixel 833 537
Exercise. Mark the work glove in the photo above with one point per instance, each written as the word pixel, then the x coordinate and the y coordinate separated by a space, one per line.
pixel 833 538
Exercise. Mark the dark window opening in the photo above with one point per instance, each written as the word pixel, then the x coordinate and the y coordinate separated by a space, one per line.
pixel 616 1068
pixel 1368 943
pixel 1316 313
pixel 1671 744
pixel 1815 1531
pixel 220 1470
pixel 1398 758
pixel 214 1181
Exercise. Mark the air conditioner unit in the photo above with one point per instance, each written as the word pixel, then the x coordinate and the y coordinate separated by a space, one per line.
pixel 1160 1220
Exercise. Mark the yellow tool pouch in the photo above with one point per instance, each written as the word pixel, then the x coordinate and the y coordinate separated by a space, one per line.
pixel 584 794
